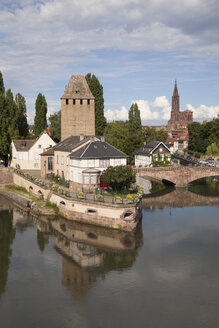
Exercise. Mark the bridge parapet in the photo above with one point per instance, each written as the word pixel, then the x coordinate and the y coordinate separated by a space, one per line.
pixel 180 175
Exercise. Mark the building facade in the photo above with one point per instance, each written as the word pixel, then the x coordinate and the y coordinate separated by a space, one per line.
pixel 178 119
pixel 152 151
pixel 77 109
pixel 26 153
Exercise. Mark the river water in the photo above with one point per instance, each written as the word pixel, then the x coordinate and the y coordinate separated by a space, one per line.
pixel 55 273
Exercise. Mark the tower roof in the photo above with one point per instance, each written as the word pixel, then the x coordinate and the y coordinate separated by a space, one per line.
pixel 175 91
pixel 77 88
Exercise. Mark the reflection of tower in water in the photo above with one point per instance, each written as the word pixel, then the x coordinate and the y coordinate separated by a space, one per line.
pixel 90 252
pixel 77 281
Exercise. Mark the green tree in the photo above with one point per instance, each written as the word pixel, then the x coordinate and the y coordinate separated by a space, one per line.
pixel 2 87
pixel 55 126
pixel 40 122
pixel 119 177
pixel 12 115
pixel 22 124
pixel 116 133
pixel 135 138
pixel 5 140
pixel 97 90
pixel 134 121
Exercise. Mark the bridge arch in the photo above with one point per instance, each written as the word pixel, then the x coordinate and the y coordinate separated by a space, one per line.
pixel 180 175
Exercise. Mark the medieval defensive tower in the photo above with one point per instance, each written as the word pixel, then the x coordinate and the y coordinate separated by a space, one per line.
pixel 77 108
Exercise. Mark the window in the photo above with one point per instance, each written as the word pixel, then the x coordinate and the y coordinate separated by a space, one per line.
pixel 90 163
pixel 81 101
pixel 104 162
pixel 161 149
pixel 88 101
pixel 20 156
pixel 74 102
pixel 39 146
pixel 36 156
pixel 35 164
pixel 50 163
pixel 57 172
pixel 62 160
pixel 67 160
pixel 93 179
pixel 66 101
pixel 86 179
pixel 117 161
pixel 57 160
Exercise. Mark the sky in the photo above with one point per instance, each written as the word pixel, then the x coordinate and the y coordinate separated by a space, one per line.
pixel 136 48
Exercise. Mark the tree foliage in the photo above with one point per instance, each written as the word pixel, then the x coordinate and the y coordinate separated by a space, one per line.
pixel 55 126
pixel 2 87
pixel 97 90
pixel 119 177
pixel 40 122
pixel 201 136
pixel 5 140
pixel 150 134
pixel 23 127
pixel 116 134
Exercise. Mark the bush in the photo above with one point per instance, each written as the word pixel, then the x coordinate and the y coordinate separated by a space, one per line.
pixel 119 177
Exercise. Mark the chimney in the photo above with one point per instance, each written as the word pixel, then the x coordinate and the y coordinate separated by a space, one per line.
pixel 81 137
pixel 102 138
pixel 92 138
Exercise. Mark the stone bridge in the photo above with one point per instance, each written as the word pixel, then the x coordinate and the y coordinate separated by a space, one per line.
pixel 180 176
pixel 179 198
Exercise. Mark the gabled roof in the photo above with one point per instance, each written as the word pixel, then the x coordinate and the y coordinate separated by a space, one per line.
pixel 23 145
pixel 150 147
pixel 68 144
pixel 97 149
pixel 77 88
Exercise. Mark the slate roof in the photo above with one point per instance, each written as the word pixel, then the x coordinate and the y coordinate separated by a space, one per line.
pixel 98 149
pixel 77 88
pixel 23 145
pixel 149 148
pixel 70 143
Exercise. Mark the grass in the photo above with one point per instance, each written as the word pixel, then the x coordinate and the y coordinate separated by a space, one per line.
pixel 53 206
pixel 22 190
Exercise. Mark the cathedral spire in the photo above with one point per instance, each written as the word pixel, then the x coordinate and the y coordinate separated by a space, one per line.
pixel 175 98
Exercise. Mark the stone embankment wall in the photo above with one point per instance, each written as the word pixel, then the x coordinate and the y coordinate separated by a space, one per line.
pixel 6 176
pixel 117 216
pixel 30 186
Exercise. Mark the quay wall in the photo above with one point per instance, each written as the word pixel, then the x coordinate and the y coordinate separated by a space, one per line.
pixel 6 177
pixel 117 216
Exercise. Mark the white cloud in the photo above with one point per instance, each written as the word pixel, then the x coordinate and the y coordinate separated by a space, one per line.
pixel 204 112
pixel 159 110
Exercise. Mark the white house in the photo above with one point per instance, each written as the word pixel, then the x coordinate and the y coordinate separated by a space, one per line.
pixel 25 153
pixel 89 160
pixel 152 151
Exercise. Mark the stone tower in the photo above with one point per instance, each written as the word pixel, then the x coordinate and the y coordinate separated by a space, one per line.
pixel 77 108
pixel 178 119
pixel 175 99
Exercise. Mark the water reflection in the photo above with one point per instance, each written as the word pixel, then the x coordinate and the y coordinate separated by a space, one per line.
pixel 7 234
pixel 87 251
pixel 179 197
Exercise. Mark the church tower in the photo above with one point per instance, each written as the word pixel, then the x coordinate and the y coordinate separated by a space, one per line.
pixel 175 99
pixel 77 108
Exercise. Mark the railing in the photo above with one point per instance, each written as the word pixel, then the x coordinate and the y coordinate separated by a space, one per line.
pixel 64 192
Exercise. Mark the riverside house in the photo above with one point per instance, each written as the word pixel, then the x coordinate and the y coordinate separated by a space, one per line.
pixel 152 151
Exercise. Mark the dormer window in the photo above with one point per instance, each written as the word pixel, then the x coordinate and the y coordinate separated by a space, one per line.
pixel 66 101
pixel 81 101
pixel 74 101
